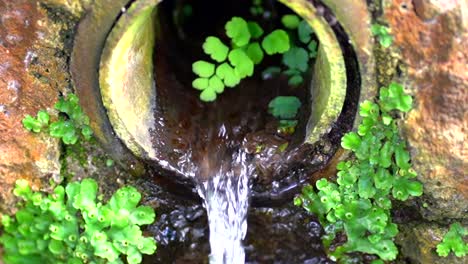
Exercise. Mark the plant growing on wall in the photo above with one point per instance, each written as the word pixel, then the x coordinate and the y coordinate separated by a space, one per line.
pixel 358 204
pixel 71 124
pixel 383 35
pixel 72 225
pixel 454 241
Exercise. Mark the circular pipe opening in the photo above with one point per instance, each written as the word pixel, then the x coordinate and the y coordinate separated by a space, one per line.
pixel 145 77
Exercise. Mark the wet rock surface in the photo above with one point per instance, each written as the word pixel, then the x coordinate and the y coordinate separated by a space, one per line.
pixel 432 36
pixel 275 235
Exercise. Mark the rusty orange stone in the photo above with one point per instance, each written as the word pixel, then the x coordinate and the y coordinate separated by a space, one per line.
pixel 433 39
pixel 22 154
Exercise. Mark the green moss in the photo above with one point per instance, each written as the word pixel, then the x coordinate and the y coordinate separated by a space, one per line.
pixel 383 35
pixel 72 225
pixel 454 242
pixel 70 126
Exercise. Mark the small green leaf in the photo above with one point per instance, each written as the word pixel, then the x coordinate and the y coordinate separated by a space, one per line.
pixel 106 251
pixel 147 245
pixel 383 179
pixel 394 98
pixel 351 141
pixel 386 119
pixel 366 186
pixel 63 106
pixel 86 198
pixel 366 125
pixel 31 124
pixel 403 188
pixel 65 130
pixel 387 250
pixel 255 52
pixel 87 132
pixel 238 30
pixel 296 58
pixel 228 75
pixel 402 157
pixel 290 21
pixel 200 83
pixel 304 31
pixel 70 138
pixel 203 69
pixel 255 30
pixel 385 157
pixel 22 189
pixel 376 29
pixel 383 35
pixel 386 40
pixel 216 84
pixel 126 197
pixel 142 215
pixel 208 95
pixel 56 247
pixel 368 109
pixel 284 107
pixel 295 80
pixel 214 47
pixel 243 65
pixel 43 117
pixel 276 42
pixel 134 256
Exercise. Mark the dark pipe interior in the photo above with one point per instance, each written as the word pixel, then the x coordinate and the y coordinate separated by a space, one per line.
pixel 195 137
pixel 186 124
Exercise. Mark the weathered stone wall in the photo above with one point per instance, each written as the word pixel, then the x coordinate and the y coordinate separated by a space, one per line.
pixel 35 42
pixel 433 39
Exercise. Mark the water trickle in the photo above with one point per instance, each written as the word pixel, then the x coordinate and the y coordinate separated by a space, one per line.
pixel 228 146
pixel 226 199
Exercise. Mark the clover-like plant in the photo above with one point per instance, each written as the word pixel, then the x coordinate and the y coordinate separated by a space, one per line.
pixel 73 226
pixel 302 49
pixel 237 61
pixel 383 35
pixel 454 241
pixel 72 121
pixel 359 203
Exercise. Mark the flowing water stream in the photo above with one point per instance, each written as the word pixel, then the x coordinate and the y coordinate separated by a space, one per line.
pixel 226 199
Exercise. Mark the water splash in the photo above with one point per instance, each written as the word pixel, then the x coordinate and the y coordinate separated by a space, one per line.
pixel 226 199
